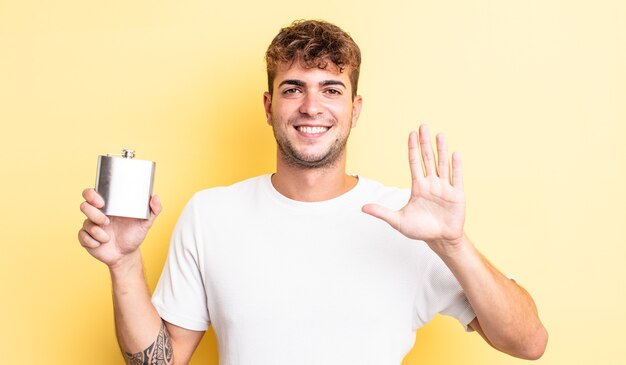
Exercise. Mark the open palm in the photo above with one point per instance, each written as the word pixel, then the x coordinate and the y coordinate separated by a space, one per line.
pixel 435 212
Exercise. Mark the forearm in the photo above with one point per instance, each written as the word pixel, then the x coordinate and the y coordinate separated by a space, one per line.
pixel 505 311
pixel 139 328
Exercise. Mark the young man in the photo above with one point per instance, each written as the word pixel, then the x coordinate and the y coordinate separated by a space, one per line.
pixel 298 267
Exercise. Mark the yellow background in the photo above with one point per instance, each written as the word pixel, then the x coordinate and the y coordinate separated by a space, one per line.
pixel 532 92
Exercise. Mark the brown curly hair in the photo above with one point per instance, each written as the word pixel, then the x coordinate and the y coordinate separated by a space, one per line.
pixel 313 43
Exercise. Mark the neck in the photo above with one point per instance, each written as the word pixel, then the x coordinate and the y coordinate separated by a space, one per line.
pixel 312 185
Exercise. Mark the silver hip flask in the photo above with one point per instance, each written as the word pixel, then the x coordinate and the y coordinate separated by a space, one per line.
pixel 125 184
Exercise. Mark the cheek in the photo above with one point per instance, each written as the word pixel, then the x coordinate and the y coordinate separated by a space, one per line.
pixel 341 112
pixel 283 110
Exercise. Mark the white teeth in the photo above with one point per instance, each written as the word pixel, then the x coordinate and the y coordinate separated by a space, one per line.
pixel 312 130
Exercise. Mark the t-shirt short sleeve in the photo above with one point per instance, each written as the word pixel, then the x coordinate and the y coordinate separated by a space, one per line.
pixel 442 294
pixel 180 295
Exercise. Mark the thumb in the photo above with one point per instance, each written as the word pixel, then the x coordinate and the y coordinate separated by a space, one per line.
pixel 380 212
pixel 155 209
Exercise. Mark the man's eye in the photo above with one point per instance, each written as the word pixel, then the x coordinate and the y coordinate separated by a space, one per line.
pixel 333 92
pixel 291 91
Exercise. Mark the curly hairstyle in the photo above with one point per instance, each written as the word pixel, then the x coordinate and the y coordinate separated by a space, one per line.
pixel 314 43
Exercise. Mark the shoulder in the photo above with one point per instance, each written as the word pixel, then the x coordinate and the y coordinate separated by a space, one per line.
pixel 223 200
pixel 376 192
pixel 214 206
pixel 230 193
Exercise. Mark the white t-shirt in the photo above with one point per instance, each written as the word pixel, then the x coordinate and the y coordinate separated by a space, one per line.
pixel 290 282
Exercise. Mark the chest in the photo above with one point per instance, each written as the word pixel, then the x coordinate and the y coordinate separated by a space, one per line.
pixel 312 272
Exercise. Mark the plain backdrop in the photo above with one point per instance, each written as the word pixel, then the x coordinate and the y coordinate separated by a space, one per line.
pixel 531 92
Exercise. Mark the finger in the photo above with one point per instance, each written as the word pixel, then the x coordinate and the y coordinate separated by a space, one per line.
pixel 94 214
pixel 93 198
pixel 155 209
pixel 427 151
pixel 442 157
pixel 378 211
pixel 415 161
pixel 457 171
pixel 155 205
pixel 96 232
pixel 86 240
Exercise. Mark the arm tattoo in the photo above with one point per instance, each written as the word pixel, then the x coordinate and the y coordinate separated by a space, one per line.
pixel 159 353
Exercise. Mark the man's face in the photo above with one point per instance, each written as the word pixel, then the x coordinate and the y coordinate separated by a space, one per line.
pixel 311 112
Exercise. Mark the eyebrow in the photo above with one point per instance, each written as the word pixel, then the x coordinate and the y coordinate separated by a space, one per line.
pixel 291 82
pixel 302 83
pixel 332 82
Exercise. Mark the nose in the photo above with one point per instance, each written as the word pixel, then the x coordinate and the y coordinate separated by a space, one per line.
pixel 311 105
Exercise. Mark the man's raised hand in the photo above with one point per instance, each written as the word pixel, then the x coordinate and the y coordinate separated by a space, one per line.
pixel 435 212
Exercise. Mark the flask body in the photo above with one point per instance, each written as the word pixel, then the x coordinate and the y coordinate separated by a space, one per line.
pixel 125 185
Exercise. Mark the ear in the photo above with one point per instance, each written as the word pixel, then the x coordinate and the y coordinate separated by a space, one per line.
pixel 267 103
pixel 356 109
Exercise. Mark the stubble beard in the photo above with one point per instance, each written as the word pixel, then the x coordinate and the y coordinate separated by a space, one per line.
pixel 326 159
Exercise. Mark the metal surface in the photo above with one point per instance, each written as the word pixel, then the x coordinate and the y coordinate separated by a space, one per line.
pixel 128 153
pixel 125 185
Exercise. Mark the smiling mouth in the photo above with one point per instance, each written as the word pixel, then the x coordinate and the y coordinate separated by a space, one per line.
pixel 312 129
